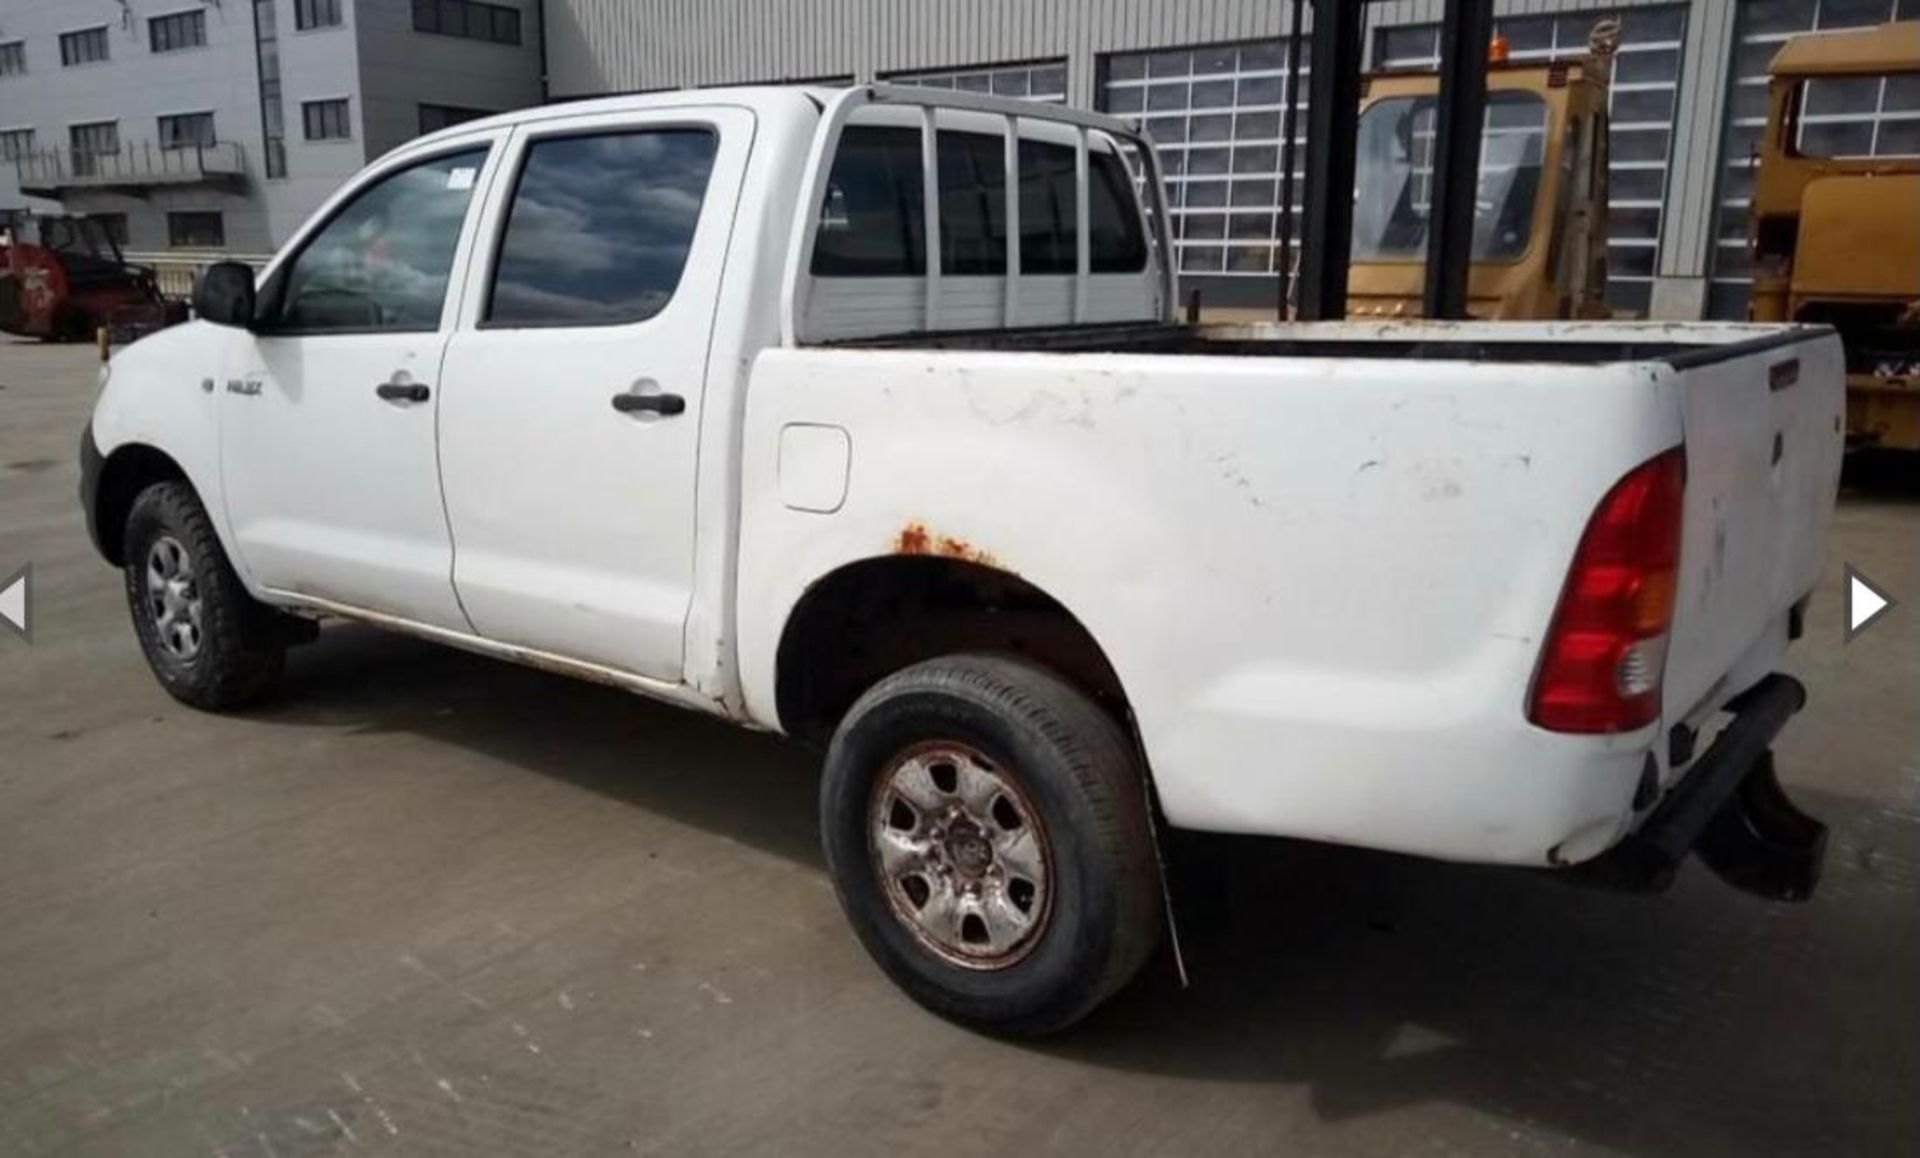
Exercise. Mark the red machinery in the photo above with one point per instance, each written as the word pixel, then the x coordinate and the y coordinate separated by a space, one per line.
pixel 70 280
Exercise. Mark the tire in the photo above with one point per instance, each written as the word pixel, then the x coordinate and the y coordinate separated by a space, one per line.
pixel 1028 752
pixel 237 645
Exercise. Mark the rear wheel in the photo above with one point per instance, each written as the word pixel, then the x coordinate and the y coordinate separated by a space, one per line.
pixel 986 825
pixel 210 644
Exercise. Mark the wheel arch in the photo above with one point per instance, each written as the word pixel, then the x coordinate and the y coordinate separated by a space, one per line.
pixel 129 469
pixel 874 616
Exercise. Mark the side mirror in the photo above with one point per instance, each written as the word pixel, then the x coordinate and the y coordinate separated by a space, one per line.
pixel 224 295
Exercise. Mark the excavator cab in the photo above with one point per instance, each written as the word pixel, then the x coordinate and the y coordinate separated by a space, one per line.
pixel 1539 229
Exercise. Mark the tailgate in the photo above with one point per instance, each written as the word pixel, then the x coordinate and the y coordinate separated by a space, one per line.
pixel 1764 430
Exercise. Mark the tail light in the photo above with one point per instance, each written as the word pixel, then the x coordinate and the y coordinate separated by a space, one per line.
pixel 1606 652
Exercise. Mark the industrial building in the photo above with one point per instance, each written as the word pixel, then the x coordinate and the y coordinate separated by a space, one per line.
pixel 221 126
pixel 282 99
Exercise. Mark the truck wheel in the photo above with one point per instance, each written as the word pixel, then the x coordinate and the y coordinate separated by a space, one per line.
pixel 210 644
pixel 986 826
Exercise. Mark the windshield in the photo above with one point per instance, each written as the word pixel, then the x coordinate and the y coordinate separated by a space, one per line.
pixel 1393 179
pixel 77 237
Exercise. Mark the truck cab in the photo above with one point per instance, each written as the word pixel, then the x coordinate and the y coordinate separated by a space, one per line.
pixel 1835 229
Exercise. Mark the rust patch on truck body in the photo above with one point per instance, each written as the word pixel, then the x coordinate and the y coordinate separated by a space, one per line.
pixel 916 539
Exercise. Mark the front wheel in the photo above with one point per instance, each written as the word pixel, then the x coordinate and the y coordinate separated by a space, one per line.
pixel 986 825
pixel 209 643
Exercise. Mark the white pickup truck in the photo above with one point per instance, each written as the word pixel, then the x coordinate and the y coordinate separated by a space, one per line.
pixel 862 416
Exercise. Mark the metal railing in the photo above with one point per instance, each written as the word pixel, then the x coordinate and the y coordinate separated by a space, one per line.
pixel 135 165
pixel 176 270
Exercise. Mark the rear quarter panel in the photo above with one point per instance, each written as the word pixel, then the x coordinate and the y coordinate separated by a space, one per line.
pixel 1323 582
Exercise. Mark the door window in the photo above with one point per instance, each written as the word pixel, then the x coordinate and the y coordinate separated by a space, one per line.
pixel 599 228
pixel 383 262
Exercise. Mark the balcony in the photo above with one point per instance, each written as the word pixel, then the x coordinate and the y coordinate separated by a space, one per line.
pixel 134 169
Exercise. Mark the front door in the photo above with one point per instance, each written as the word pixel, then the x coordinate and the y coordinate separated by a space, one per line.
pixel 570 418
pixel 327 428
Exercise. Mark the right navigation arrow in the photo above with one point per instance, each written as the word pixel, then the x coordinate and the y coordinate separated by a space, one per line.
pixel 1865 603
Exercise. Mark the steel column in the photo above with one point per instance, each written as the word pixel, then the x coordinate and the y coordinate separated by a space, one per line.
pixel 1333 113
pixel 1465 31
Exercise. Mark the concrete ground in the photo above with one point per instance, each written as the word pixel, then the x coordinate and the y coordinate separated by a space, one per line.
pixel 427 903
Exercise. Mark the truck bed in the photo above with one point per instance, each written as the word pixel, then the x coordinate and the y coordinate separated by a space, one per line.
pixel 1322 558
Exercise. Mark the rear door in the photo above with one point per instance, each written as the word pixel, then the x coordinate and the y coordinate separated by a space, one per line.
pixel 1764 434
pixel 570 420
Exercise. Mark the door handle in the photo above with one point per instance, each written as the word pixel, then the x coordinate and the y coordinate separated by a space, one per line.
pixel 403 391
pixel 668 404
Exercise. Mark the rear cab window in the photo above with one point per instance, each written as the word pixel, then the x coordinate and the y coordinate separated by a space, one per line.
pixel 873 217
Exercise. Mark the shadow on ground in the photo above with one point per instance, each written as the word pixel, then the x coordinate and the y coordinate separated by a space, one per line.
pixel 1700 1022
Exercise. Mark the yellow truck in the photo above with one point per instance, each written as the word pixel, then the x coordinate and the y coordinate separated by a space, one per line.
pixel 1836 218
pixel 1540 218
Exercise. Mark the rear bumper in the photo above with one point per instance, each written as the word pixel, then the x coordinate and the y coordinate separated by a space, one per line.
pixel 1731 810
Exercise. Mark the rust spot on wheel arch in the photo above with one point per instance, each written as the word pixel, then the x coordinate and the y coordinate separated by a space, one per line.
pixel 916 539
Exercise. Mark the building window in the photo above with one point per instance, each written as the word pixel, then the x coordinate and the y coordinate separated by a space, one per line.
pixel 15 144
pixel 325 120
pixel 1045 81
pixel 187 131
pixel 196 229
pixel 433 118
pixel 1215 114
pixel 87 46
pixel 92 144
pixel 177 31
pixel 468 19
pixel 1646 75
pixel 316 14
pixel 266 51
pixel 1869 116
pixel 114 225
pixel 13 58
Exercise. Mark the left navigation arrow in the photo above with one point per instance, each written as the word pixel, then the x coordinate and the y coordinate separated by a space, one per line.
pixel 16 602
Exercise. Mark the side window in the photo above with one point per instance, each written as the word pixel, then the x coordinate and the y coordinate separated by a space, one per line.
pixel 973 203
pixel 873 220
pixel 1113 223
pixel 1049 228
pixel 599 228
pixel 382 263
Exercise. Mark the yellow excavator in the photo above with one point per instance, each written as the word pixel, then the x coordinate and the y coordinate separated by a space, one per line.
pixel 1540 215
pixel 1835 230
